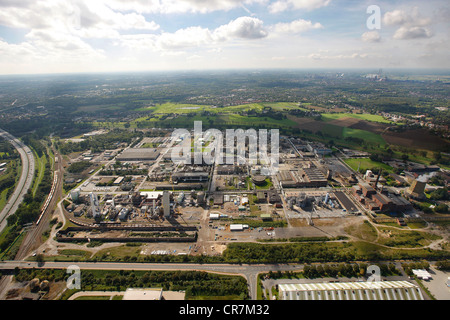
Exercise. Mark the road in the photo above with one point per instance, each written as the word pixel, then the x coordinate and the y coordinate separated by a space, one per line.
pixel 25 181
pixel 249 272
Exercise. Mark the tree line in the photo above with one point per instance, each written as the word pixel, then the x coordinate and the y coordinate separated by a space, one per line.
pixel 194 283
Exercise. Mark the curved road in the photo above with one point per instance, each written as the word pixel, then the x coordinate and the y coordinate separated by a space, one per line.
pixel 25 181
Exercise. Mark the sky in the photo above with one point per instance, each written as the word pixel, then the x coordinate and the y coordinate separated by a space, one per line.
pixel 67 36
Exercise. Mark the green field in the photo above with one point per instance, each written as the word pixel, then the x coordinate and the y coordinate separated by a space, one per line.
pixel 40 166
pixel 367 117
pixel 182 108
pixel 363 134
pixel 245 121
pixel 3 198
pixel 367 164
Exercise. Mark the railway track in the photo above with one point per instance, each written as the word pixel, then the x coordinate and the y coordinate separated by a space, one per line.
pixel 32 239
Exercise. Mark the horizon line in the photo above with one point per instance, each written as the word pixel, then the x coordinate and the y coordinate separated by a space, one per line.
pixel 441 70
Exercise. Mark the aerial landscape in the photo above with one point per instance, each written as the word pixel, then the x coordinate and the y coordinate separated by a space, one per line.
pixel 233 163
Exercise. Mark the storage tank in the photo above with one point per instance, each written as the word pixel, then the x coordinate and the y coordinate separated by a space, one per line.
pixel 180 198
pixel 75 195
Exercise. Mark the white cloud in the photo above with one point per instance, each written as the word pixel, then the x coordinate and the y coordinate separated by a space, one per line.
pixel 189 37
pixel 178 6
pixel 371 36
pixel 85 17
pixel 401 18
pixel 283 5
pixel 65 35
pixel 242 27
pixel 411 25
pixel 297 26
pixel 405 33
pixel 319 56
pixel 394 18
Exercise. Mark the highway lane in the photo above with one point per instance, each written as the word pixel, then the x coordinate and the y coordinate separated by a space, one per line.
pixel 25 181
pixel 248 271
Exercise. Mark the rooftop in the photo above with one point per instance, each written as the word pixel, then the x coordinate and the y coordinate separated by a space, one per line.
pixel 377 290
pixel 139 154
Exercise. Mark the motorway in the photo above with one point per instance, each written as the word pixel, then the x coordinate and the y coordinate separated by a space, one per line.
pixel 249 272
pixel 25 181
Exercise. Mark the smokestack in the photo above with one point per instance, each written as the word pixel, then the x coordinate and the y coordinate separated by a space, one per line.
pixel 376 181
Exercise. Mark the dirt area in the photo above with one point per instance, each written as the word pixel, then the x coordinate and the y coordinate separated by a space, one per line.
pixel 21 290
pixel 373 127
pixel 345 122
pixel 418 139
pixel 308 123
pixel 166 248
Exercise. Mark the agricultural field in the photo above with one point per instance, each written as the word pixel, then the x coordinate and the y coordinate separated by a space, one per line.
pixel 365 164
pixel 183 108
pixel 417 139
pixel 360 116
pixel 340 129
pixel 363 134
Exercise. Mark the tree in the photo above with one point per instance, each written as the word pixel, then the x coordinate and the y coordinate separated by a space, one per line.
pixel 439 194
pixel 40 258
pixel 441 208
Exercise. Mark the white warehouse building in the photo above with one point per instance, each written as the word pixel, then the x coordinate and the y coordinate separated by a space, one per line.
pixel 379 290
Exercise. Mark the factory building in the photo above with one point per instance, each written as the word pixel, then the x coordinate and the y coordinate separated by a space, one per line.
pixel 261 197
pixel 383 202
pixel 139 154
pixel 380 290
pixel 345 202
pixel 201 198
pixel 94 205
pixel 416 190
pixel 166 204
pixel 200 176
pixel 377 201
pixel 400 203
pixel 367 190
pixel 318 149
pixel 218 199
pixel 303 178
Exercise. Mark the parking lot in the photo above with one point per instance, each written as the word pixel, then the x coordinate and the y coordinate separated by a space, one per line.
pixel 438 284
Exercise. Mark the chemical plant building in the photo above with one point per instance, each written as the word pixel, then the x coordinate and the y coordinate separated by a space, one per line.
pixel 379 201
pixel 380 290
pixel 139 154
pixel 303 178
pixel 199 176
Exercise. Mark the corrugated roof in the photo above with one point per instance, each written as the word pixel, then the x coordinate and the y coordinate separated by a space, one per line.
pixel 379 290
